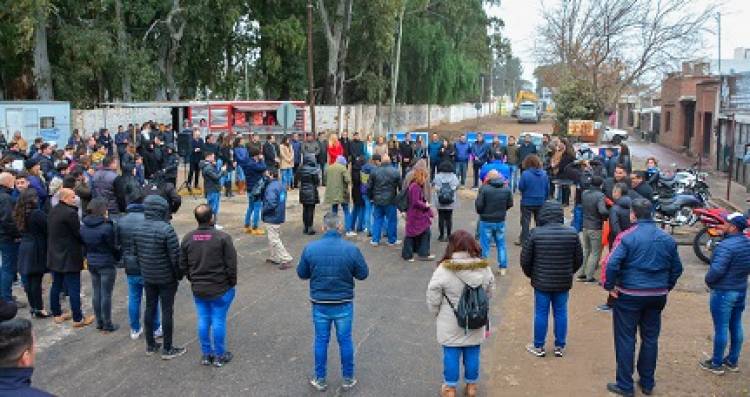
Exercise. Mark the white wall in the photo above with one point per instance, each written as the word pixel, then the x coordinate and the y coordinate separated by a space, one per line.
pixel 90 120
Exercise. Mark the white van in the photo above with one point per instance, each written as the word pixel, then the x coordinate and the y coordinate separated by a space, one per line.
pixel 527 113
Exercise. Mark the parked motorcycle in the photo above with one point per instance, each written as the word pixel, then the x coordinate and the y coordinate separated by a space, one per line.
pixel 710 235
pixel 682 181
pixel 679 210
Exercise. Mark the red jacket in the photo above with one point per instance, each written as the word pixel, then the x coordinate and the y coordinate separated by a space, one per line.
pixel 334 151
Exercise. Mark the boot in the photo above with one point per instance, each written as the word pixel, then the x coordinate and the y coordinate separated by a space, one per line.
pixel 470 390
pixel 241 187
pixel 447 391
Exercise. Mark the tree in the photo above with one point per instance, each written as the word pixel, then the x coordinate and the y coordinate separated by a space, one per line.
pixel 614 44
pixel 575 100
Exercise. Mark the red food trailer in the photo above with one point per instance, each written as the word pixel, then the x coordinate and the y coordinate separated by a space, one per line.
pixel 242 117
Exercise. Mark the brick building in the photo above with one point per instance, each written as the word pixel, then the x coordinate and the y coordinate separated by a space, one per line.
pixel 688 103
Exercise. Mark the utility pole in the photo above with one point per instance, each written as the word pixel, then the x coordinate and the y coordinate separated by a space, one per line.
pixel 395 68
pixel 718 22
pixel 310 77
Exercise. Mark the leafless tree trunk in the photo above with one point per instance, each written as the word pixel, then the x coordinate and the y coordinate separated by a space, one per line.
pixel 122 47
pixel 395 68
pixel 175 27
pixel 336 34
pixel 42 70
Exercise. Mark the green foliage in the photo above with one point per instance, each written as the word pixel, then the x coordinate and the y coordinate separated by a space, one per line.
pixel 576 100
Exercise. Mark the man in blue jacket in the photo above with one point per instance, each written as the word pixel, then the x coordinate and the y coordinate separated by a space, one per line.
pixel 526 148
pixel 331 264
pixel 727 278
pixel 641 271
pixel 534 188
pixel 479 153
pixel 254 168
pixel 463 150
pixel 17 359
pixel 274 215
pixel 434 151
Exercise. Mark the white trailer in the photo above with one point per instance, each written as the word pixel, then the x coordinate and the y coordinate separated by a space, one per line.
pixel 49 120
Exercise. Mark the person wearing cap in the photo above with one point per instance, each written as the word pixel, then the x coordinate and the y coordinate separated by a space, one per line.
pixel 727 279
pixel 338 181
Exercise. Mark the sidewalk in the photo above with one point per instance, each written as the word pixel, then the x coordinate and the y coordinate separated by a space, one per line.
pixel 717 180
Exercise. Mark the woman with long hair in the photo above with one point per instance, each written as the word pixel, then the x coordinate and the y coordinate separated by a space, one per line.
pixel 393 151
pixel 286 154
pixel 624 158
pixel 418 219
pixel 334 148
pixel 461 266
pixel 31 221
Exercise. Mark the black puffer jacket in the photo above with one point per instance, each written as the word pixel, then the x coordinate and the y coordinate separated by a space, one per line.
pixel 309 176
pixel 8 229
pixel 156 246
pixel 127 228
pixel 211 177
pixel 552 253
pixel 383 184
pixel 493 201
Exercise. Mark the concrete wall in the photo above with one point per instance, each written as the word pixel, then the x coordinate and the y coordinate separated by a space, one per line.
pixel 362 118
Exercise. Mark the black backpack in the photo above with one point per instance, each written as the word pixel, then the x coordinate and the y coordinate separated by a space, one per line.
pixel 473 308
pixel 445 194
pixel 259 188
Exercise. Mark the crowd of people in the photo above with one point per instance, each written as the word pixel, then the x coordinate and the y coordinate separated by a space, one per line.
pixel 103 203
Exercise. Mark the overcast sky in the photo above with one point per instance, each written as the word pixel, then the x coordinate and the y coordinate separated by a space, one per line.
pixel 523 16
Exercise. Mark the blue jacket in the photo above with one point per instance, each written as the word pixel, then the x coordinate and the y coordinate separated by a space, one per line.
pixel 98 235
pixel 16 382
pixel 462 151
pixel 274 203
pixel 534 187
pixel 730 264
pixel 331 264
pixel 646 258
pixel 297 148
pixel 480 151
pixel 434 150
pixel 253 171
pixel 498 165
pixel 241 156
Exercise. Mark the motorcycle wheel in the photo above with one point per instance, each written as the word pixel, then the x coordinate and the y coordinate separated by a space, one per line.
pixel 703 245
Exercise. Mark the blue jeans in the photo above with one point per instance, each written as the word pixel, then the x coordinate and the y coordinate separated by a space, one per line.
pixel 493 231
pixel 452 364
pixel 368 214
pixel 72 284
pixel 214 198
pixel 253 210
pixel 461 167
pixel 240 175
pixel 726 310
pixel 347 215
pixel 287 176
pixel 389 214
pixel 341 315
pixel 358 221
pixel 542 302
pixel 513 177
pixel 9 251
pixel 212 319
pixel 135 293
pixel 578 218
pixel 628 314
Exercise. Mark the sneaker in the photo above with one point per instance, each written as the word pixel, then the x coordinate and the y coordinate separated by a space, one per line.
pixel 150 350
pixel 249 230
pixel 537 351
pixel 134 335
pixel 731 367
pixel 395 243
pixel 259 232
pixel 285 266
pixel 427 258
pixel 503 271
pixel 349 383
pixel 168 354
pixel 709 366
pixel 222 360
pixel 411 260
pixel 374 244
pixel 613 388
pixel 319 384
pixel 517 243
pixel 559 351
pixel 158 333
pixel 604 308
pixel 581 278
pixel 219 227
pixel 85 321
pixel 351 234
pixel 207 360
pixel 110 328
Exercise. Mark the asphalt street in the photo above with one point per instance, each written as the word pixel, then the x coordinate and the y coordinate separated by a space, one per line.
pixel 269 329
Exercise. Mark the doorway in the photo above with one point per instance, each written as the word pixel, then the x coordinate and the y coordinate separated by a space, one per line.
pixel 707 124
pixel 689 112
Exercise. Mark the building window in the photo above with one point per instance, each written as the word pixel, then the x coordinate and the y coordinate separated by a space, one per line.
pixel 46 123
pixel 668 122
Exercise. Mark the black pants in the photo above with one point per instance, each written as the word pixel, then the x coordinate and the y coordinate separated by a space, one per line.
pixel 34 291
pixel 194 170
pixel 308 213
pixel 526 213
pixel 445 222
pixel 433 168
pixel 295 177
pixel 404 169
pixel 476 167
pixel 163 294
pixel 419 243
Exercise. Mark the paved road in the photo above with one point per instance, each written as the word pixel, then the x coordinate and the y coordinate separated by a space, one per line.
pixel 269 332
